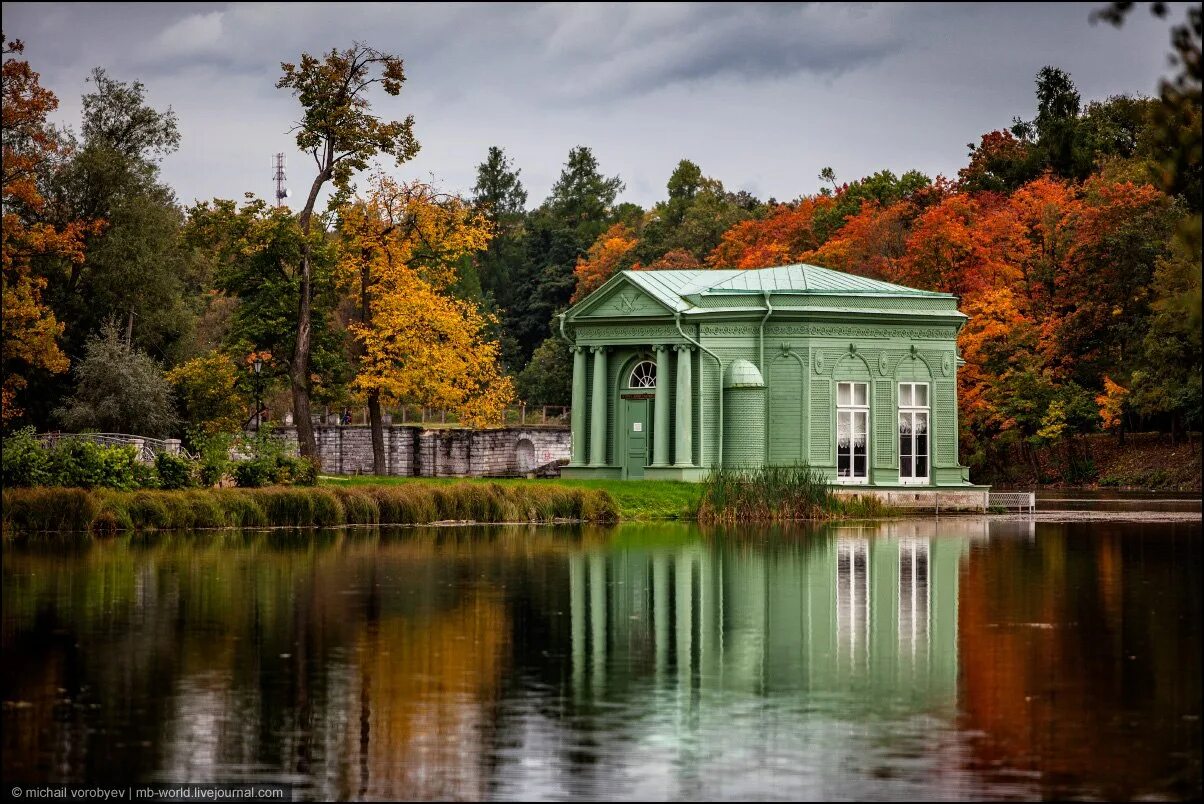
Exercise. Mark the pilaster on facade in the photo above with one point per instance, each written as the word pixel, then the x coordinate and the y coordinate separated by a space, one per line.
pixel 684 449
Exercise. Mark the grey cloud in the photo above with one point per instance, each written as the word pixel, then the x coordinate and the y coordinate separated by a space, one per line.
pixel 644 49
pixel 599 52
pixel 761 96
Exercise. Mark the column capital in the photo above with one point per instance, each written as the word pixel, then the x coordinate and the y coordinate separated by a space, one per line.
pixel 661 347
pixel 576 349
pixel 599 349
pixel 683 347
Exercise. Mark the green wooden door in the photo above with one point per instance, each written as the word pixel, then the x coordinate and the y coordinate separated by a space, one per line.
pixel 636 442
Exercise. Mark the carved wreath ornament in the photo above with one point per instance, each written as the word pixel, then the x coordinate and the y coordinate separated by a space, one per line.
pixel 627 302
pixel 819 362
pixel 947 364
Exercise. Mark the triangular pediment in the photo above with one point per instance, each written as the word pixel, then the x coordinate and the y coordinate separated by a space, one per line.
pixel 622 299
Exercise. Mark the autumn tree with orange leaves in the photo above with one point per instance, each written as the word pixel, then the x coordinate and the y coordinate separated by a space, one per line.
pixel 611 252
pixel 781 237
pixel 31 146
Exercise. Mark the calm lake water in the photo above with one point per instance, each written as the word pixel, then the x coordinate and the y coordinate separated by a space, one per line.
pixel 959 658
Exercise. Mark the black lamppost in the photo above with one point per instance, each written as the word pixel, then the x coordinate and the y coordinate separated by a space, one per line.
pixel 258 366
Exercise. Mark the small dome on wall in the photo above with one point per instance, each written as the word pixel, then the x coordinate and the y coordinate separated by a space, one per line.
pixel 742 374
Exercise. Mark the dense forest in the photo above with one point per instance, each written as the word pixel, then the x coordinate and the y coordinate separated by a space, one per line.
pixel 1071 237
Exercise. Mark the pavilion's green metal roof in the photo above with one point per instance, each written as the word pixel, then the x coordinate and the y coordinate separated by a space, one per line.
pixel 673 288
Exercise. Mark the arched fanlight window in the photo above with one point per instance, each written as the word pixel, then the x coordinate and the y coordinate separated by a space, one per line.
pixel 643 375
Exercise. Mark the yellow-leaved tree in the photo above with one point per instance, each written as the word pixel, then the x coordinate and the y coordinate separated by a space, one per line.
pixel 417 343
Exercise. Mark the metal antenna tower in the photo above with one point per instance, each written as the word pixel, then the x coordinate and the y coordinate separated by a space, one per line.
pixel 281 191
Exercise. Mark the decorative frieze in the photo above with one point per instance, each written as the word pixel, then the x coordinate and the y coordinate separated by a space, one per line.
pixel 840 331
pixel 620 333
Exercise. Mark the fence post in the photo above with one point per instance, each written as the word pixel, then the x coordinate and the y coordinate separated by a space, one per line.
pixel 522 414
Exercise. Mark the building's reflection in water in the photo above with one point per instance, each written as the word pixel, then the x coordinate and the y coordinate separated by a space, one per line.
pixel 870 605
pixel 731 650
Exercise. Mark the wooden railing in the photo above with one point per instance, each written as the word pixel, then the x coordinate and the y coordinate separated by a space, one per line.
pixel 148 448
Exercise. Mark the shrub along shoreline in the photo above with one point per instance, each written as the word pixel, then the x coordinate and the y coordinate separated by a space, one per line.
pixel 106 511
pixel 777 494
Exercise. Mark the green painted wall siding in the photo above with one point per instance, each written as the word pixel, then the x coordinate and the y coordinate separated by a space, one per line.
pixel 822 423
pixel 744 428
pixel 944 422
pixel 727 349
pixel 885 426
pixel 851 367
pixel 784 388
pixel 912 369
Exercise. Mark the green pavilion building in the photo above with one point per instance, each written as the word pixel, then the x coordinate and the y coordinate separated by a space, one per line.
pixel 678 372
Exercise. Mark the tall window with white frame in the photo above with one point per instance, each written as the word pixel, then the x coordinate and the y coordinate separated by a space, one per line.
pixel 913 432
pixel 852 432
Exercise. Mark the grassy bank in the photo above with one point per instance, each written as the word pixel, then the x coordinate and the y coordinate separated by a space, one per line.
pixel 772 494
pixel 634 499
pixel 103 511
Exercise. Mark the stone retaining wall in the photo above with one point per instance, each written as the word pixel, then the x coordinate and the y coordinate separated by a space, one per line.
pixel 414 451
pixel 938 499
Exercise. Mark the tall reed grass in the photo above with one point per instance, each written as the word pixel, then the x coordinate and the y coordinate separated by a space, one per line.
pixel 777 493
pixel 104 511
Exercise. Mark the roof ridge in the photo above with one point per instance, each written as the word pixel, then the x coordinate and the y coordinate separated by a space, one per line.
pixel 797 278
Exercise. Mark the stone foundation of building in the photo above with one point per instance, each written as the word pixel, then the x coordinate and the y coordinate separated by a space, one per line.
pixel 973 498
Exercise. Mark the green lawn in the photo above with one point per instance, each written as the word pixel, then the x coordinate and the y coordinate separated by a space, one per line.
pixel 637 499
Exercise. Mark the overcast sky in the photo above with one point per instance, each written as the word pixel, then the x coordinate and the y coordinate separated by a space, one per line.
pixel 762 97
